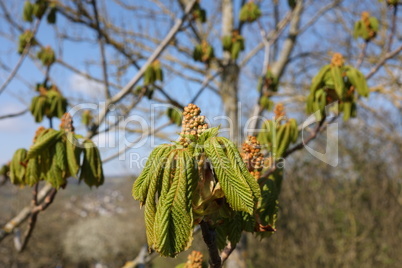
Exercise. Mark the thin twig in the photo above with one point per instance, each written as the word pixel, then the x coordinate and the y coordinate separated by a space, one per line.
pixel 127 88
pixel 145 134
pixel 227 251
pixel 34 215
pixel 381 62
pixel 258 109
pixel 21 59
pixel 13 115
pixel 170 99
pixel 205 85
pixel 362 55
pixel 102 50
pixel 393 27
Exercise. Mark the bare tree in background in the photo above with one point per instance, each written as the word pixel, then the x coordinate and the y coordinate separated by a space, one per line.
pixel 291 41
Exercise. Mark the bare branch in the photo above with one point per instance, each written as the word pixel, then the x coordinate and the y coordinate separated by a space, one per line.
pixel 126 89
pixel 205 85
pixel 227 251
pixel 393 27
pixel 13 115
pixel 21 59
pixel 279 66
pixel 102 50
pixel 362 55
pixel 382 61
pixel 24 213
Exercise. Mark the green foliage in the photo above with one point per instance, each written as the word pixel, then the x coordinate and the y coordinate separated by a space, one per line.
pixel 4 170
pixel 27 11
pixel 292 3
pixel 231 230
pixel 267 207
pixel 91 169
pixel 233 44
pixel 49 103
pixel 24 39
pixel 147 90
pixel 181 185
pixel 174 217
pixel 240 187
pixel 52 16
pixel 269 81
pixel 18 166
pixel 199 14
pixel 55 156
pixel 266 103
pixel 203 52
pixel 39 8
pixel 46 56
pixel 87 118
pixel 174 115
pixel 276 136
pixel 267 84
pixel 250 12
pixel 153 73
pixel 337 83
pixel 73 152
pixel 366 28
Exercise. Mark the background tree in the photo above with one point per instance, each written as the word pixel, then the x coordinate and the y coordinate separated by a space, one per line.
pixel 277 53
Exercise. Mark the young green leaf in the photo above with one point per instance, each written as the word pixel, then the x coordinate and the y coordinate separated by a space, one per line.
pixel 174 218
pixel 237 191
pixel 44 141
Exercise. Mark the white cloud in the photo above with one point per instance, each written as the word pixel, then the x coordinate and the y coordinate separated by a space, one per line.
pixel 84 86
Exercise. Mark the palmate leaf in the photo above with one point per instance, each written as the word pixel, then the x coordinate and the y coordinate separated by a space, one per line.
pixel 284 139
pixel 318 80
pixel 209 133
pixel 267 208
pixel 374 24
pixel 358 80
pixel 237 191
pixel 146 186
pixel 45 140
pixel 61 158
pixel 239 166
pixel 357 29
pixel 73 154
pixel 91 169
pixel 339 84
pixel 231 229
pixel 169 170
pixel 174 217
pixel 32 172
pixel 54 174
pixel 17 169
pixel 152 168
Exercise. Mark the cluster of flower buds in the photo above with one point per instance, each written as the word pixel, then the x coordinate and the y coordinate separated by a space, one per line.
pixel 337 60
pixel 193 124
pixel 194 260
pixel 279 111
pixel 252 156
pixel 67 123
